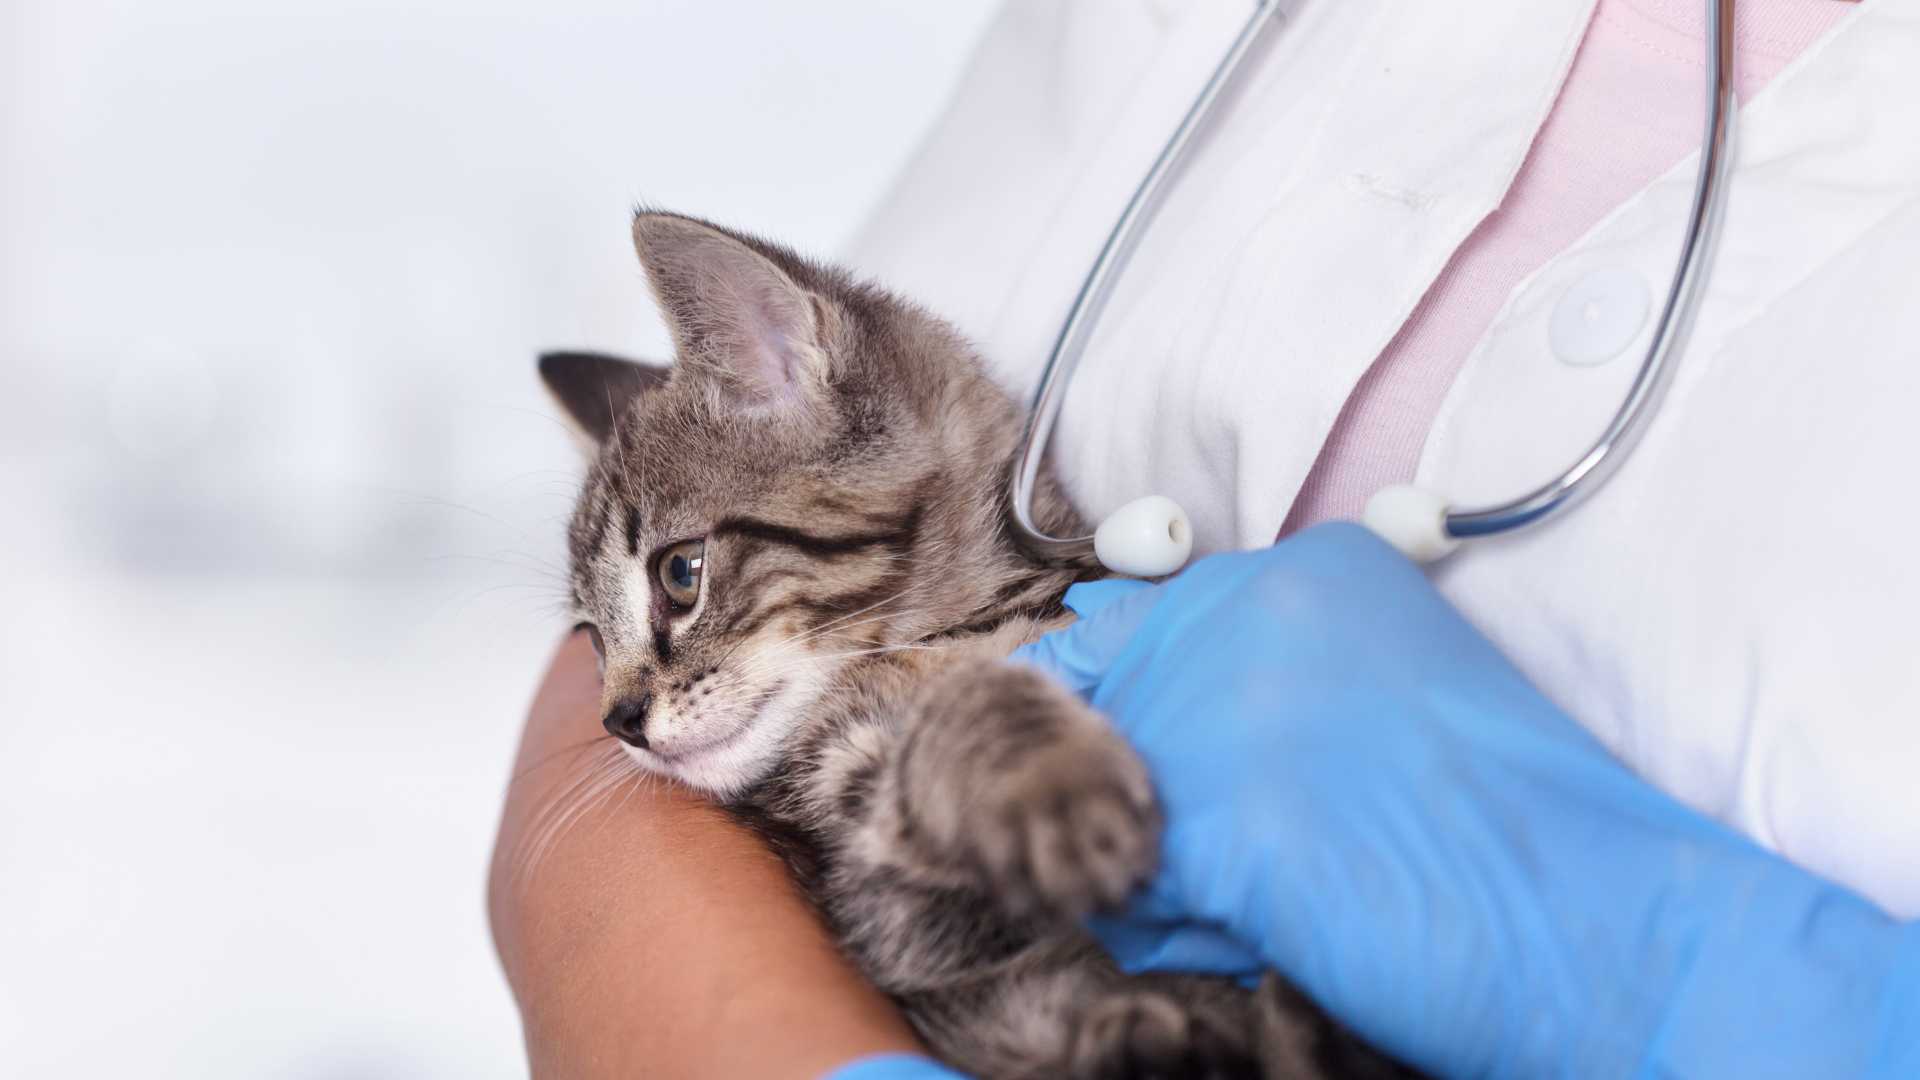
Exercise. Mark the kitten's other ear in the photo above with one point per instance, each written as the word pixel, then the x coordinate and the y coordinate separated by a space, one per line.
pixel 733 311
pixel 596 389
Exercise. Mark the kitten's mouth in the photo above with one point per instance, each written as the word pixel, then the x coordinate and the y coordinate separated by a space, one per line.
pixel 689 753
pixel 677 755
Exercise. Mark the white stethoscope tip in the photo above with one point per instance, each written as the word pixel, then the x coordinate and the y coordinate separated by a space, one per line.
pixel 1148 537
pixel 1413 520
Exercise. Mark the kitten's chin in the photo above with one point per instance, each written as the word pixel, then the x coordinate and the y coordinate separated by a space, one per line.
pixel 733 764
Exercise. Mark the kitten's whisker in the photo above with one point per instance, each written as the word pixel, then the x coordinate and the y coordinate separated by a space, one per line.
pixel 553 820
pixel 550 837
pixel 624 485
pixel 420 498
pixel 531 562
pixel 761 667
pixel 606 794
pixel 751 664
pixel 546 759
pixel 824 627
pixel 556 807
pixel 830 626
pixel 642 779
pixel 848 627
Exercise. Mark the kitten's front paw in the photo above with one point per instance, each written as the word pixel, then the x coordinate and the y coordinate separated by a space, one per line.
pixel 1067 823
pixel 1137 1033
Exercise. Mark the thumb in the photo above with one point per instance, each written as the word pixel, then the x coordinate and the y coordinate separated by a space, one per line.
pixel 1139 943
pixel 1079 655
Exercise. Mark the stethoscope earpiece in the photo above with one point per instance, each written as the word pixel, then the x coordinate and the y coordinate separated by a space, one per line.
pixel 1412 519
pixel 1149 537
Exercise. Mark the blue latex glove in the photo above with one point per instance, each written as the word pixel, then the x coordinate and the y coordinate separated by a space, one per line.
pixel 893 1067
pixel 1363 794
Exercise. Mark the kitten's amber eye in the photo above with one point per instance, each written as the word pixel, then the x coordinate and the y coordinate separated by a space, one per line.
pixel 680 569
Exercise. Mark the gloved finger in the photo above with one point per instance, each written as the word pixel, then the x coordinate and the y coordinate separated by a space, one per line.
pixel 893 1067
pixel 1080 654
pixel 1089 598
pixel 1139 945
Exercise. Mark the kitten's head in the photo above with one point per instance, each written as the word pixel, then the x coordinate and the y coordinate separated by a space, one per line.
pixel 818 477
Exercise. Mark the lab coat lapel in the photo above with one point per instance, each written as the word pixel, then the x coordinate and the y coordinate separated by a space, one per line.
pixel 1346 204
pixel 1732 613
pixel 1813 170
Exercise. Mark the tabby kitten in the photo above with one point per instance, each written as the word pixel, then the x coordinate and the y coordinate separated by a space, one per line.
pixel 790 549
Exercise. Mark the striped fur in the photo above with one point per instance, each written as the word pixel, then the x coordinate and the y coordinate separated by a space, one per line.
pixel 841 680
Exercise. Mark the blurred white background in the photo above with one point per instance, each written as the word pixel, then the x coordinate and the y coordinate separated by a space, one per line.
pixel 280 498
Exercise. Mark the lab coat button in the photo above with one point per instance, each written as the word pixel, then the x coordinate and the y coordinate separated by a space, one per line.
pixel 1599 316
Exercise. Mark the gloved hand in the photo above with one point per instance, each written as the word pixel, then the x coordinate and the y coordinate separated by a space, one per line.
pixel 893 1067
pixel 1363 794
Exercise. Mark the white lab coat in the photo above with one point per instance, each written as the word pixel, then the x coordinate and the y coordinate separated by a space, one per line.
pixel 1737 614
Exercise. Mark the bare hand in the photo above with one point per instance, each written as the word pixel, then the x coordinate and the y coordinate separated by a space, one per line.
pixel 644 932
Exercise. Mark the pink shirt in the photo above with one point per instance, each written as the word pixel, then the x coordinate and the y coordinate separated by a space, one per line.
pixel 1629 110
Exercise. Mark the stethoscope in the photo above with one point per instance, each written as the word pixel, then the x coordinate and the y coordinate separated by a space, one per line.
pixel 1151 536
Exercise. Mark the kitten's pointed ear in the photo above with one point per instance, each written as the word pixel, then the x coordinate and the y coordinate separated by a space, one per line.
pixel 733 312
pixel 596 389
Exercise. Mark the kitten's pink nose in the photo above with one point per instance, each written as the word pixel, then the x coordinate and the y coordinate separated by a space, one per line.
pixel 627 720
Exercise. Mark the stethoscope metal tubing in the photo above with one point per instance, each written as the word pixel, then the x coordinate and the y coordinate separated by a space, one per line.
pixel 1573 484
pixel 1094 290
pixel 1629 423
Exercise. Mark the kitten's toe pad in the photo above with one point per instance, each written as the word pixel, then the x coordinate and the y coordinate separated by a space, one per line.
pixel 1075 827
pixel 1137 1034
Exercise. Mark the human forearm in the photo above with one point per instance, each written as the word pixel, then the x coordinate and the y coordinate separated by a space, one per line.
pixel 655 936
